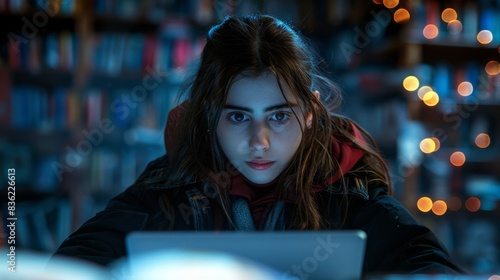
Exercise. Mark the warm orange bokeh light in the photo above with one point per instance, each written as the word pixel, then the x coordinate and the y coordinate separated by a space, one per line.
pixel 427 146
pixel 437 143
pixel 484 37
pixel 378 2
pixel 492 68
pixel 473 204
pixel 390 3
pixel 482 140
pixel 422 91
pixel 455 26
pixel 411 83
pixel 465 89
pixel 457 158
pixel 430 31
pixel 454 203
pixel 401 16
pixel 448 15
pixel 439 207
pixel 431 98
pixel 424 204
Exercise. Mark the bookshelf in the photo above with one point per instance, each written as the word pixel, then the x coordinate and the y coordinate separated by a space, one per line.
pixel 452 48
pixel 85 88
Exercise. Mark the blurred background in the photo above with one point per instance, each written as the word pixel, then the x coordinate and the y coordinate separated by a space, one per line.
pixel 85 88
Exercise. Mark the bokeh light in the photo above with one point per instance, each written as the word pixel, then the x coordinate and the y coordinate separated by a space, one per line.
pixel 457 159
pixel 378 2
pixel 484 37
pixel 430 31
pixel 411 83
pixel 448 15
pixel 439 207
pixel 482 140
pixel 465 89
pixel 424 204
pixel 437 143
pixel 422 91
pixel 455 26
pixel 401 16
pixel 390 3
pixel 473 204
pixel 427 146
pixel 454 203
pixel 431 98
pixel 492 68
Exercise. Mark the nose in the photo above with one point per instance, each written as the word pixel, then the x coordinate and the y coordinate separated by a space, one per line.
pixel 259 139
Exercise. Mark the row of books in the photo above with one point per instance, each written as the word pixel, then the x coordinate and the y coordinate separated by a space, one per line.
pixel 201 11
pixel 32 171
pixel 56 51
pixel 115 53
pixel 110 172
pixel 107 171
pixel 51 7
pixel 112 53
pixel 27 107
pixel 473 16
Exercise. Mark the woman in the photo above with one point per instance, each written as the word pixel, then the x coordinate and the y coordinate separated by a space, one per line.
pixel 258 146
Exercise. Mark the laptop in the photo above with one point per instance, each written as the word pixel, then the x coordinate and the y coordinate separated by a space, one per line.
pixel 292 254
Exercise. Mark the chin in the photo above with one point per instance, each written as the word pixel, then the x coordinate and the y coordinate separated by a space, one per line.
pixel 260 180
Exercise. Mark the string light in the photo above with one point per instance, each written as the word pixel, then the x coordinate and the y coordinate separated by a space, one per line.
pixel 422 91
pixel 492 68
pixel 473 204
pixel 424 204
pixel 431 98
pixel 401 16
pixel 448 15
pixel 484 37
pixel 454 203
pixel 482 140
pixel 465 89
pixel 430 31
pixel 390 3
pixel 437 143
pixel 439 207
pixel 455 26
pixel 457 159
pixel 427 146
pixel 411 83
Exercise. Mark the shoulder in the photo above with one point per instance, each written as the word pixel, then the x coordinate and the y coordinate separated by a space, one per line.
pixel 382 205
pixel 397 241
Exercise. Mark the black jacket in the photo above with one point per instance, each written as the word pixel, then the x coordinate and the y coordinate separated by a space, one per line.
pixel 396 242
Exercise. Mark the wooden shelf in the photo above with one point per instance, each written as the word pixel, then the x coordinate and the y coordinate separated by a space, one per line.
pixel 410 52
pixel 44 77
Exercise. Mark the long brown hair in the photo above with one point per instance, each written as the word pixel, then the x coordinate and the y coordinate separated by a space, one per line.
pixel 252 45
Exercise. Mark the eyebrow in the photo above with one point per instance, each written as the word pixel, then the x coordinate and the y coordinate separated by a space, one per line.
pixel 267 109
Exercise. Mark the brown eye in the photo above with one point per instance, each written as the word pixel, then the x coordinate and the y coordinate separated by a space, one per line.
pixel 237 117
pixel 279 117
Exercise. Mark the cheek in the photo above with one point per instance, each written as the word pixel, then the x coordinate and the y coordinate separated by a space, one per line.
pixel 289 138
pixel 231 142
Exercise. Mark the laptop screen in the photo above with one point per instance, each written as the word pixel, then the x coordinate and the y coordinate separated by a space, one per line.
pixel 293 254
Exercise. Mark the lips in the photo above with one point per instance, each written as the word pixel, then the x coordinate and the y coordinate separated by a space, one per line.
pixel 260 165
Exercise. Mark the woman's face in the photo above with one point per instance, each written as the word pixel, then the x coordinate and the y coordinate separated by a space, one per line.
pixel 258 130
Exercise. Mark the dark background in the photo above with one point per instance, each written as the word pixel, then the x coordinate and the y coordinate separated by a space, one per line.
pixel 85 87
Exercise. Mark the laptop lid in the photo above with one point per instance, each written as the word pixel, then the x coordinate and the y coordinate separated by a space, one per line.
pixel 296 254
